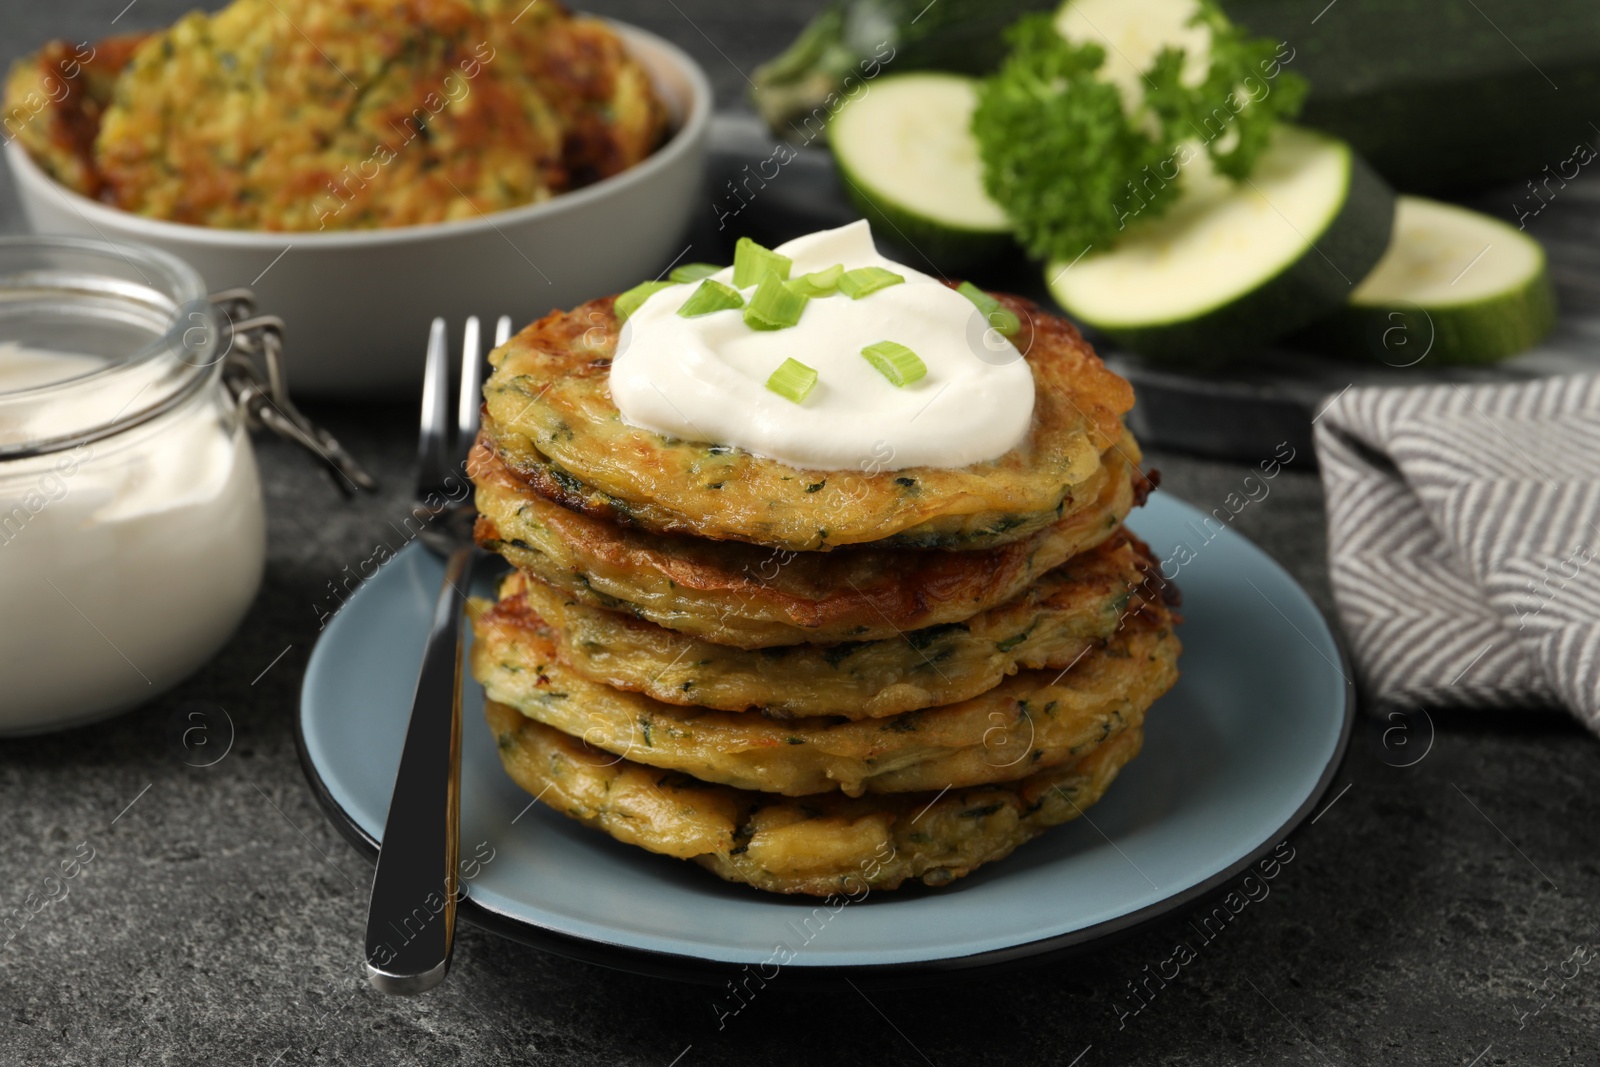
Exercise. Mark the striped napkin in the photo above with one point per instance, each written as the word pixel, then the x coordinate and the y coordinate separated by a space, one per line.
pixel 1464 541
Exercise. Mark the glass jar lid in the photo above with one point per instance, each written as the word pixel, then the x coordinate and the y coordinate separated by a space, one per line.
pixel 96 337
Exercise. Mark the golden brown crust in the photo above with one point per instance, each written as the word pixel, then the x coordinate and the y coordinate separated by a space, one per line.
pixel 611 118
pixel 550 416
pixel 1030 721
pixel 752 597
pixel 1051 624
pixel 54 100
pixel 819 845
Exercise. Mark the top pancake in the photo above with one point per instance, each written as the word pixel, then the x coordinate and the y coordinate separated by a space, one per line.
pixel 550 417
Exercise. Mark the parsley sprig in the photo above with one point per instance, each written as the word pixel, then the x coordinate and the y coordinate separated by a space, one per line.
pixel 1073 163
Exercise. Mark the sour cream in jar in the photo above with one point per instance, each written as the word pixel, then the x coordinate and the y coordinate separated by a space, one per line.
pixel 131 528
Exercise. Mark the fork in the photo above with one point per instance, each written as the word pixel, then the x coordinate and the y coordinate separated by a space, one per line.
pixel 411 917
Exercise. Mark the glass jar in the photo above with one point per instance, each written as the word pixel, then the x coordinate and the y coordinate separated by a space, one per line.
pixel 132 535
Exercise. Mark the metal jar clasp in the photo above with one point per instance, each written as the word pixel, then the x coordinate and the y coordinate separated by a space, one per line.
pixel 253 372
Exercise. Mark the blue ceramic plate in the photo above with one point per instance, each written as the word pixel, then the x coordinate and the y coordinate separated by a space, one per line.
pixel 1235 756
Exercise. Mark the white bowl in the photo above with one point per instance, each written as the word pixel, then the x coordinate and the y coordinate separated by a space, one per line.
pixel 357 303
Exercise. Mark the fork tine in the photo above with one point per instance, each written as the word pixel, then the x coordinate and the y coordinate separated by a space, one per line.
pixel 471 386
pixel 502 330
pixel 431 436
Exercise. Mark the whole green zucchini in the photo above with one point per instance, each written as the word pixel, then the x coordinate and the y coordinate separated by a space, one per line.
pixel 1443 95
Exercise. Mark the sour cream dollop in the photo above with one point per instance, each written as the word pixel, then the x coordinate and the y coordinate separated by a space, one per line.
pixel 704 378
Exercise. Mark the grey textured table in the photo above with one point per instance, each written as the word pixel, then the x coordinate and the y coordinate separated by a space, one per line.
pixel 1439 913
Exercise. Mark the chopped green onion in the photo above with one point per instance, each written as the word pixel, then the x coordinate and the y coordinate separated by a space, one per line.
pixel 866 280
pixel 793 380
pixel 819 282
pixel 774 305
pixel 628 302
pixel 752 263
pixel 711 296
pixel 1002 319
pixel 895 362
pixel 692 272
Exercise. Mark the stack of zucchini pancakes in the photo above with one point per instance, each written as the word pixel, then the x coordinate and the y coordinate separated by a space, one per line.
pixel 812 681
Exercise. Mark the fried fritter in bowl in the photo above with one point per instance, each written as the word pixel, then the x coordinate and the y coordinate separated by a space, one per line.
pixel 1051 624
pixel 817 845
pixel 1033 720
pixel 752 597
pixel 550 417
pixel 54 100
pixel 349 114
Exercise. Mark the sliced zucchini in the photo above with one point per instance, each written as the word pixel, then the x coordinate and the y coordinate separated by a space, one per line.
pixel 1455 286
pixel 1234 265
pixel 910 164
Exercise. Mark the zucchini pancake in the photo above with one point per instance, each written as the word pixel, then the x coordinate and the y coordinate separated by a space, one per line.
pixel 752 597
pixel 820 845
pixel 814 581
pixel 1079 605
pixel 338 114
pixel 1031 720
pixel 552 420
